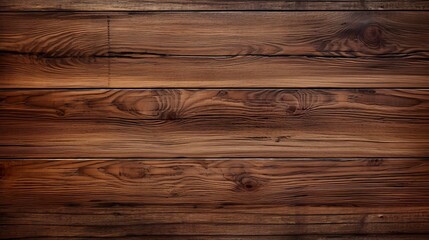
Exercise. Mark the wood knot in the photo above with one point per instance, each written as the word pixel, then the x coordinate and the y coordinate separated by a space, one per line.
pixel 247 183
pixel 171 115
pixel 372 36
pixel 222 93
pixel 291 109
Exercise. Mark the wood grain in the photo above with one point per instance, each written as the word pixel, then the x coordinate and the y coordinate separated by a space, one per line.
pixel 340 34
pixel 179 5
pixel 297 119
pixel 326 33
pixel 24 71
pixel 267 72
pixel 130 199
pixel 20 71
pixel 215 123
pixel 214 50
pixel 54 34
pixel 53 50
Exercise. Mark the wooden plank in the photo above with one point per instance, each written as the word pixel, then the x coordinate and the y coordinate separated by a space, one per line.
pixel 334 34
pixel 236 49
pixel 53 50
pixel 121 199
pixel 54 34
pixel 24 71
pixel 215 123
pixel 214 50
pixel 21 71
pixel 179 5
pixel 341 34
pixel 268 72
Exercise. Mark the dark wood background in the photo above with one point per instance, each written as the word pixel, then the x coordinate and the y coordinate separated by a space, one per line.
pixel 214 119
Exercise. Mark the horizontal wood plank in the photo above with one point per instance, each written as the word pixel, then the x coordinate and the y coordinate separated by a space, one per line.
pixel 24 71
pixel 215 123
pixel 20 71
pixel 347 34
pixel 52 35
pixel 126 199
pixel 267 72
pixel 334 34
pixel 53 50
pixel 179 5
pixel 214 50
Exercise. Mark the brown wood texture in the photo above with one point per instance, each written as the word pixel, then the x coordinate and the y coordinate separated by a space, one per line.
pixel 214 119
pixel 178 5
pixel 214 123
pixel 242 197
pixel 326 33
pixel 214 50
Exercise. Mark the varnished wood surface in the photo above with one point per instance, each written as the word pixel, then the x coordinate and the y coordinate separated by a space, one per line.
pixel 214 50
pixel 313 33
pixel 229 197
pixel 296 119
pixel 214 123
pixel 52 35
pixel 179 5
pixel 267 72
pixel 25 71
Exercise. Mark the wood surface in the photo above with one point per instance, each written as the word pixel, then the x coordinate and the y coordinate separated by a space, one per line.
pixel 214 50
pixel 214 123
pixel 179 5
pixel 228 197
pixel 313 33
pixel 214 119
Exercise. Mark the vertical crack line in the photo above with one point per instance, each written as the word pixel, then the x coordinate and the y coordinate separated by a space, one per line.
pixel 108 51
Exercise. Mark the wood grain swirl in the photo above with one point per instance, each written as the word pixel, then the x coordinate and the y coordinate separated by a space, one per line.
pixel 130 199
pixel 54 34
pixel 25 71
pixel 216 123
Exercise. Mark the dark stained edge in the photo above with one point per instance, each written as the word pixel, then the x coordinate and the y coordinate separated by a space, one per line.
pixel 210 5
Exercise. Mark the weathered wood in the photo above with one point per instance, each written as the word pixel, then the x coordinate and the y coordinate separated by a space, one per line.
pixel 18 71
pixel 53 50
pixel 49 35
pixel 267 49
pixel 23 71
pixel 178 5
pixel 333 34
pixel 208 162
pixel 215 123
pixel 267 72
pixel 107 198
pixel 214 50
pixel 346 34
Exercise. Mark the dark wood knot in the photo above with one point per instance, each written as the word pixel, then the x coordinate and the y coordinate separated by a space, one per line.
pixel 372 36
pixel 222 93
pixel 246 182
